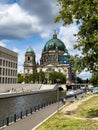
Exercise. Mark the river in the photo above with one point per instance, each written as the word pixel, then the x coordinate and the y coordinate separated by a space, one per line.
pixel 12 105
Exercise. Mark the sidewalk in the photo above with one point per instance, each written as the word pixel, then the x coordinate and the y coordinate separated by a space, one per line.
pixel 30 122
pixel 75 105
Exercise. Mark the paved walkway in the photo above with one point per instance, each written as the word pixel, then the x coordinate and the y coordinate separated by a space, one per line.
pixel 75 105
pixel 66 110
pixel 30 122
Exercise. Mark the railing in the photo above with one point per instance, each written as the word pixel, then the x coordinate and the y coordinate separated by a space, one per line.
pixel 17 116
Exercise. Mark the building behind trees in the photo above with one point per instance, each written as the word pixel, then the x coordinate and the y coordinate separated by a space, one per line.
pixel 54 58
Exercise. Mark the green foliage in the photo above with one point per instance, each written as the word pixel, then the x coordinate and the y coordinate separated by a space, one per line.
pixel 35 77
pixel 26 79
pixel 94 78
pixel 20 78
pixel 41 77
pixel 53 76
pixel 85 14
pixel 79 80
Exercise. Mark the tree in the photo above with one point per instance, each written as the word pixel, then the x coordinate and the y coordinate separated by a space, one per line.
pixel 79 80
pixel 26 79
pixel 20 78
pixel 94 79
pixel 35 77
pixel 53 76
pixel 41 76
pixel 85 14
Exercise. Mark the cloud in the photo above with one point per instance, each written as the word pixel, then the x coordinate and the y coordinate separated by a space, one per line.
pixel 2 44
pixel 16 23
pixel 84 75
pixel 25 18
pixel 21 59
pixel 46 34
pixel 3 1
pixel 45 10
pixel 16 50
pixel 66 34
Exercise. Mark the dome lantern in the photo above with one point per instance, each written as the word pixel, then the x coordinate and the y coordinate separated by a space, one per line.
pixel 54 35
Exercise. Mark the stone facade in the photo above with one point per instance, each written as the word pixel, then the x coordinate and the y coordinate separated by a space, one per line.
pixel 52 59
pixel 65 69
pixel 29 64
pixel 8 66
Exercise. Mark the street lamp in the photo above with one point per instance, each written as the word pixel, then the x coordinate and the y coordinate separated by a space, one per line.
pixel 58 81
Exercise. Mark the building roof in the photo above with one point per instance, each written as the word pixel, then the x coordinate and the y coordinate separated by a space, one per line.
pixel 55 44
pixel 30 50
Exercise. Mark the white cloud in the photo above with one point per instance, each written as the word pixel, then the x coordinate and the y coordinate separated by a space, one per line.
pixel 46 34
pixel 16 23
pixel 84 75
pixel 66 35
pixel 16 50
pixel 2 44
pixel 21 59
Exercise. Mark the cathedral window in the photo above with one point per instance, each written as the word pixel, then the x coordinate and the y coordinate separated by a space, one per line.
pixel 49 69
pixel 0 61
pixel 28 58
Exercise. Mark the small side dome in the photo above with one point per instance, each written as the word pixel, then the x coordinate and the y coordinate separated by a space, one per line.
pixel 30 50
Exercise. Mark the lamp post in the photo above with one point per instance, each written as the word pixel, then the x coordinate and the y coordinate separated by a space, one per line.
pixel 58 81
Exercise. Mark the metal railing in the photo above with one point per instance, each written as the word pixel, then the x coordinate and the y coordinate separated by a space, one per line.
pixel 18 116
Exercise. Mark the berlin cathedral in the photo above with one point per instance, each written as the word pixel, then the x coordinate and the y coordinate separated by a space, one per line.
pixel 55 57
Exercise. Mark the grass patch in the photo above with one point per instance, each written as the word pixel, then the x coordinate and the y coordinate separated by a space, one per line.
pixel 88 109
pixel 61 122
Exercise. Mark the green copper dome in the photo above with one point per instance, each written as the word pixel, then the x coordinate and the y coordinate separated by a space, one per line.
pixel 55 44
pixel 30 50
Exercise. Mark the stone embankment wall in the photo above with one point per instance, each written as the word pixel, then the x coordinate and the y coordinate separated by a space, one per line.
pixel 18 87
pixel 27 87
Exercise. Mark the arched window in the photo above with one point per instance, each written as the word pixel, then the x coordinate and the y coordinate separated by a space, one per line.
pixel 28 58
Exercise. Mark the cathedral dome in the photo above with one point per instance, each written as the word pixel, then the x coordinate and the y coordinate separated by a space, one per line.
pixel 30 50
pixel 55 44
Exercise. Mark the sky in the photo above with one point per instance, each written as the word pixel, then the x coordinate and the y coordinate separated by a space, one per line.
pixel 25 23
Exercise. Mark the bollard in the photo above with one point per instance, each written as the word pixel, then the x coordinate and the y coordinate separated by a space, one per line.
pixel 7 121
pixel 35 108
pixel 42 106
pixel 14 117
pixel 39 107
pixel 31 110
pixel 21 115
pixel 26 112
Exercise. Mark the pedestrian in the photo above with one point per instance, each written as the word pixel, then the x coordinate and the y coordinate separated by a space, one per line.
pixel 63 100
pixel 75 96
